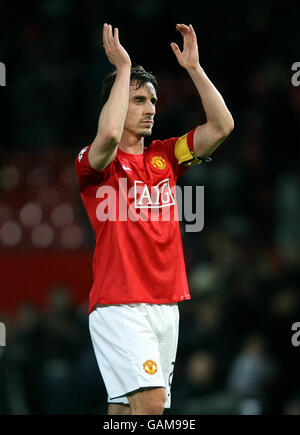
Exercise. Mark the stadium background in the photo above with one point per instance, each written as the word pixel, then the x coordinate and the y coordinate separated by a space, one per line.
pixel 235 354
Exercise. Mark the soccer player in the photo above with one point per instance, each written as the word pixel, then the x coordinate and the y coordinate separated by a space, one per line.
pixel 138 263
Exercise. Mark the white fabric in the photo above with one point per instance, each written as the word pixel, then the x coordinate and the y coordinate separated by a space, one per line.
pixel 125 337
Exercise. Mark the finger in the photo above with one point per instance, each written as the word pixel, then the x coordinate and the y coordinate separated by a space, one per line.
pixel 181 29
pixel 105 35
pixel 188 32
pixel 185 27
pixel 192 32
pixel 116 35
pixel 175 49
pixel 189 36
pixel 110 38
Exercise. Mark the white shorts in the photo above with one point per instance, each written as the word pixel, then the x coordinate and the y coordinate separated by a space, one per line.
pixel 135 347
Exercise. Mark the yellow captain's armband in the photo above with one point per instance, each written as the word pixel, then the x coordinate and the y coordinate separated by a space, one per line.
pixel 183 154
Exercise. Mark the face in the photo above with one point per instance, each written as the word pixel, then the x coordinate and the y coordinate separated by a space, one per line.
pixel 141 110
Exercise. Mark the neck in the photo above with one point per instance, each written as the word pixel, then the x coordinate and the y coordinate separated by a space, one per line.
pixel 131 144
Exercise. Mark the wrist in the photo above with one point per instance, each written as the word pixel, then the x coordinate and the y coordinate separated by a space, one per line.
pixel 124 67
pixel 195 69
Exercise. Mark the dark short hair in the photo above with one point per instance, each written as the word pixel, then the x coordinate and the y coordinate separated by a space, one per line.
pixel 138 74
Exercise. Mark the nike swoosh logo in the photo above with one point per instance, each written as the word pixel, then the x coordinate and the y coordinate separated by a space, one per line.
pixel 126 168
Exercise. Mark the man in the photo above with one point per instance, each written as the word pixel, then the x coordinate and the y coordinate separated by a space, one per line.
pixel 138 265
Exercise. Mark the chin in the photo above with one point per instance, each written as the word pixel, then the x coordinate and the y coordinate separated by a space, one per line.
pixel 146 132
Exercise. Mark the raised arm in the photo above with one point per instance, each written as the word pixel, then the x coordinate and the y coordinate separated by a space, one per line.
pixel 219 123
pixel 113 114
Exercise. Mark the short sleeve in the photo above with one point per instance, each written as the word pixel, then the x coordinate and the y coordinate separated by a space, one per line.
pixel 169 146
pixel 87 176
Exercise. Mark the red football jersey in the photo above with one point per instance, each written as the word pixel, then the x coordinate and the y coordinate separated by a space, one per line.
pixel 132 208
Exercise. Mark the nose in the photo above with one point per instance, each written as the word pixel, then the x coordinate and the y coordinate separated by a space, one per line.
pixel 149 108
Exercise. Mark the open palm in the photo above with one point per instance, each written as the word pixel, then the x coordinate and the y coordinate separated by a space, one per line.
pixel 189 56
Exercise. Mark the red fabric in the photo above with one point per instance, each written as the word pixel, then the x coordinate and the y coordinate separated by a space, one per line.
pixel 140 261
pixel 190 139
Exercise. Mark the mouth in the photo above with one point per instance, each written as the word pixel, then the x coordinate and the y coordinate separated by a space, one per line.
pixel 147 123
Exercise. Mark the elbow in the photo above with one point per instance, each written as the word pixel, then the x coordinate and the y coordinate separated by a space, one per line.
pixel 116 134
pixel 109 133
pixel 113 138
pixel 230 125
pixel 110 138
pixel 226 129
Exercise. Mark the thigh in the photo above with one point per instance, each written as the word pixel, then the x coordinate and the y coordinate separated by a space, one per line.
pixel 166 318
pixel 126 349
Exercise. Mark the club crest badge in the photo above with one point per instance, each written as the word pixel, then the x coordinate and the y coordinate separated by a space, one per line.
pixel 150 367
pixel 158 162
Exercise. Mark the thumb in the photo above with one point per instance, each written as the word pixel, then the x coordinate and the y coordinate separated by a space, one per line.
pixel 175 49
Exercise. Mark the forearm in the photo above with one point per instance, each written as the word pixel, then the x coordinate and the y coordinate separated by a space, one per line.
pixel 217 114
pixel 113 114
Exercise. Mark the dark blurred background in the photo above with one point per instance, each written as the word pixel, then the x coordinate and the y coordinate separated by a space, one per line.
pixel 235 354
